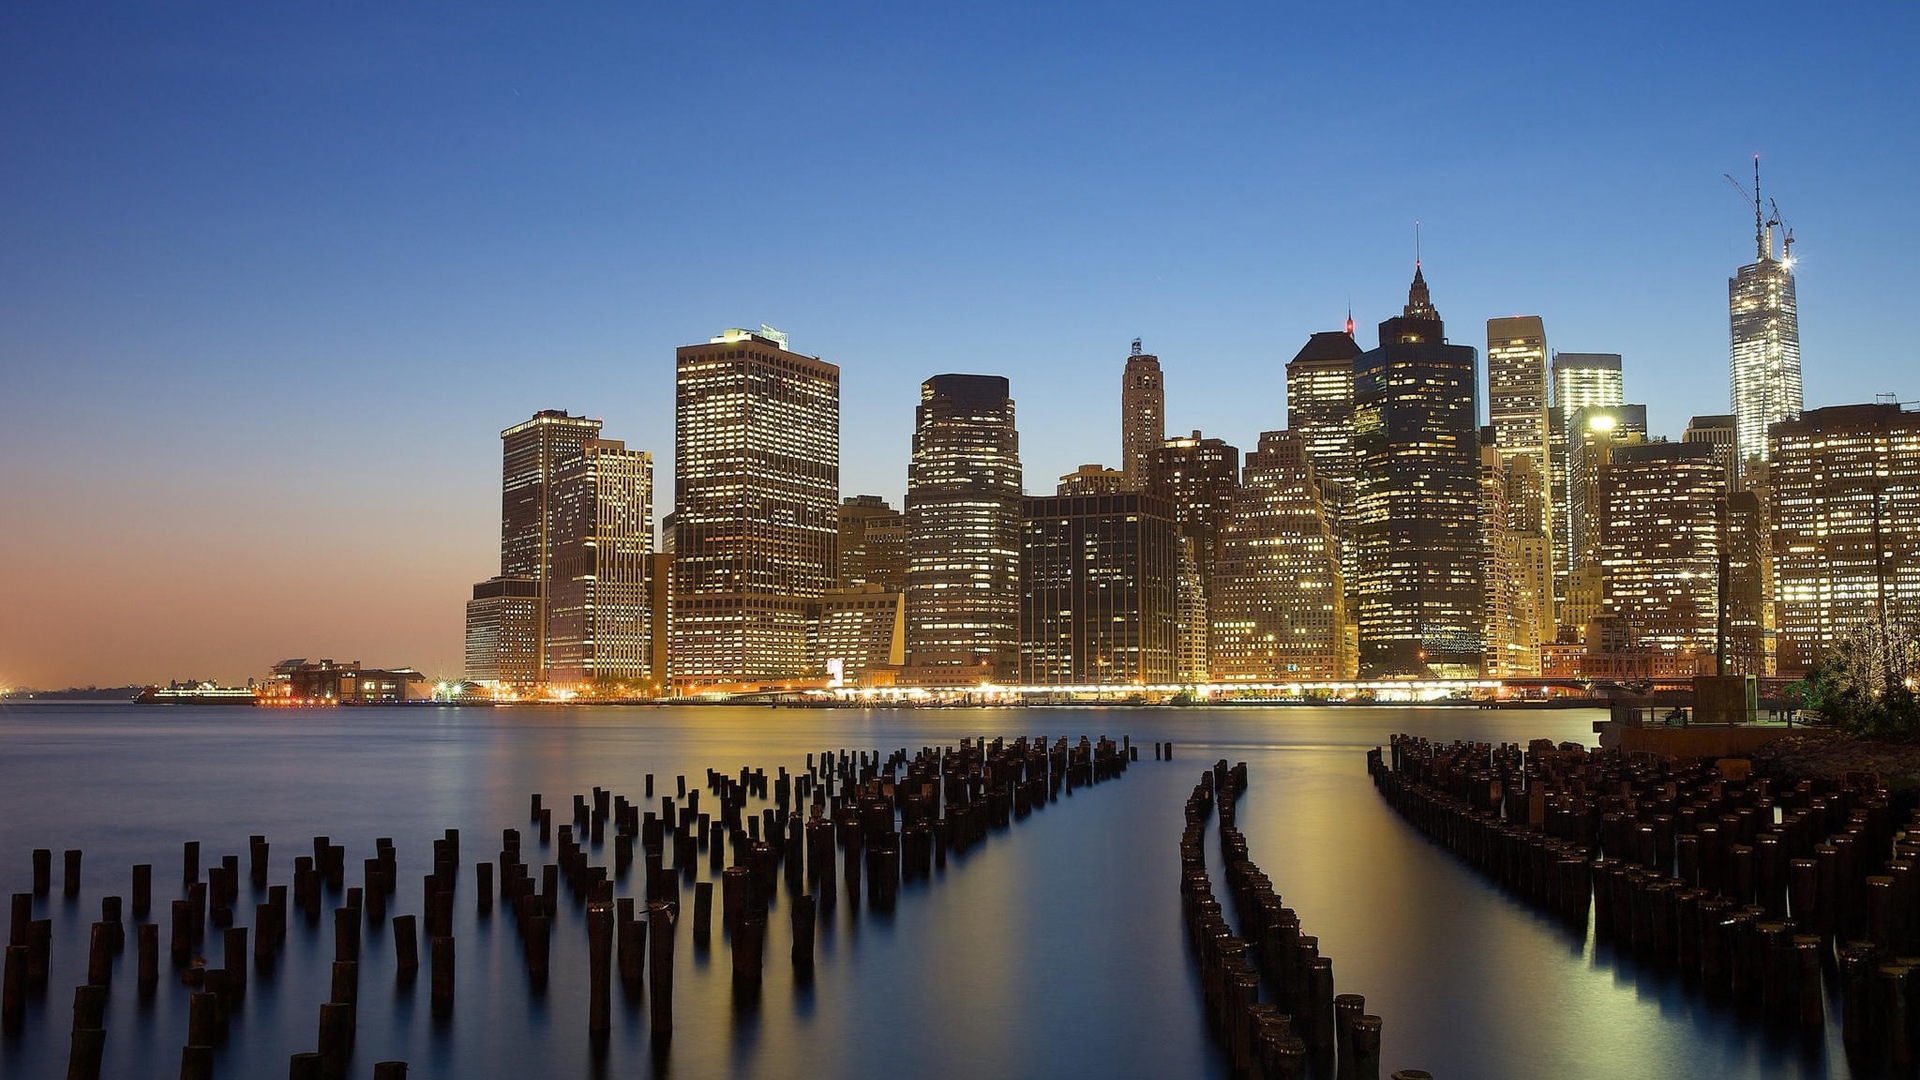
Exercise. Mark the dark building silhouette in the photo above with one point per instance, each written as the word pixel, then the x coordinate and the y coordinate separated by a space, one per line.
pixel 1417 498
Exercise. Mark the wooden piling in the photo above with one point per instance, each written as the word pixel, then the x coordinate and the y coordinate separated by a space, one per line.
pixel 599 968
pixel 148 937
pixel 13 991
pixel 803 918
pixel 389 1070
pixel 336 1040
pixel 204 1026
pixel 70 881
pixel 100 955
pixel 660 938
pixel 443 975
pixel 406 945
pixel 196 1062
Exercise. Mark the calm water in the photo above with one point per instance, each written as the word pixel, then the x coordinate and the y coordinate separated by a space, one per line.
pixel 1052 950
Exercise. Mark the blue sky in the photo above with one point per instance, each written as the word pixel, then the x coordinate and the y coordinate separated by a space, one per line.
pixel 272 279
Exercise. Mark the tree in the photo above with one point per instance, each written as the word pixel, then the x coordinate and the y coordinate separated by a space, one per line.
pixel 1866 683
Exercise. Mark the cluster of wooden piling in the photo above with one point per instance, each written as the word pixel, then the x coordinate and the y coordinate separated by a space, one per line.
pixel 849 816
pixel 1306 1026
pixel 206 912
pixel 1754 895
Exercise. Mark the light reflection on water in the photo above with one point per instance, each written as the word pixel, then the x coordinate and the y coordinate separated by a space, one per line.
pixel 1053 950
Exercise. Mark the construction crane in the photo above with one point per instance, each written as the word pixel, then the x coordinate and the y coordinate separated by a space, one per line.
pixel 1786 243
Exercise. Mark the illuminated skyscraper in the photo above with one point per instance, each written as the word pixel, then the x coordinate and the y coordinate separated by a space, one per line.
pixel 963 533
pixel 1765 352
pixel 873 543
pixel 1278 608
pixel 1845 490
pixel 599 610
pixel 1197 477
pixel 756 482
pixel 503 632
pixel 1097 583
pixel 1578 380
pixel 1594 432
pixel 1320 401
pixel 1517 385
pixel 1417 501
pixel 1718 432
pixel 531 454
pixel 1660 552
pixel 1143 414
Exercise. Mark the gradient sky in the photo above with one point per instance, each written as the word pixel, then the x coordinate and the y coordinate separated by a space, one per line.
pixel 272 280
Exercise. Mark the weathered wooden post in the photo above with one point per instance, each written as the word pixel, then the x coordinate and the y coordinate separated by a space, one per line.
pixel 443 976
pixel 660 964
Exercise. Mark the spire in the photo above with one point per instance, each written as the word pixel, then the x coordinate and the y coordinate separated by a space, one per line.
pixel 1419 303
pixel 1349 318
pixel 1762 244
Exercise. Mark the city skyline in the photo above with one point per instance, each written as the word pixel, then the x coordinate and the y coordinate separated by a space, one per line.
pixel 192 340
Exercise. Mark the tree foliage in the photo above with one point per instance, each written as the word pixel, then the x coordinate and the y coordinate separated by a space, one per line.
pixel 1866 683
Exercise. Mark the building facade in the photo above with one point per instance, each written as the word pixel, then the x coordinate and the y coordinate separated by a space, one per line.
pixel 963 532
pixel 1097 590
pixel 599 607
pixel 1278 609
pixel 1578 380
pixel 531 454
pixel 1660 552
pixel 1143 413
pixel 1517 385
pixel 873 543
pixel 1764 319
pixel 1844 484
pixel 756 486
pixel 503 632
pixel 1320 402
pixel 1197 476
pixel 1417 498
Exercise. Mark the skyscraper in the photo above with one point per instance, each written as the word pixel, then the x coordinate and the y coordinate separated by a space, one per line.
pixel 1845 489
pixel 756 480
pixel 531 454
pixel 1320 401
pixel 963 532
pixel 1765 352
pixel 1660 552
pixel 1278 608
pixel 503 632
pixel 1417 502
pixel 1197 476
pixel 1578 380
pixel 1097 586
pixel 1517 385
pixel 873 543
pixel 1143 413
pixel 1594 432
pixel 1718 432
pixel 599 611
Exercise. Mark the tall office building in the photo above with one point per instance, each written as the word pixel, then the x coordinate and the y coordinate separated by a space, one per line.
pixel 1765 352
pixel 599 610
pixel 1197 476
pixel 756 483
pixel 1529 554
pixel 1594 432
pixel 863 635
pixel 1320 401
pixel 1660 552
pixel 1578 381
pixel 1719 432
pixel 531 454
pixel 1845 489
pixel 1417 499
pixel 1143 414
pixel 503 632
pixel 1517 384
pixel 963 533
pixel 1097 590
pixel 1278 608
pixel 873 543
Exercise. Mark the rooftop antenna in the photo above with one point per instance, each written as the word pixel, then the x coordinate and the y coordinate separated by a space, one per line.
pixel 1416 243
pixel 1762 241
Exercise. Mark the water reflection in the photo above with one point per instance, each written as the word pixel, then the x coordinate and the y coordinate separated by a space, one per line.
pixel 1054 949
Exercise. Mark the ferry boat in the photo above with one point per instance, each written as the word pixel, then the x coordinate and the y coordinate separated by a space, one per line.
pixel 201 694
